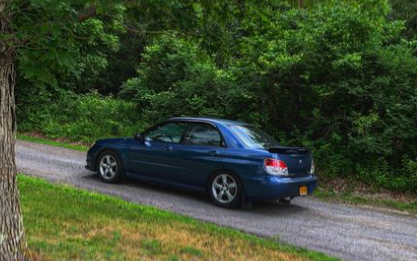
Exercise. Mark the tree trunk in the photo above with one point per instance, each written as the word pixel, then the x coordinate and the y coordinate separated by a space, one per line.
pixel 12 241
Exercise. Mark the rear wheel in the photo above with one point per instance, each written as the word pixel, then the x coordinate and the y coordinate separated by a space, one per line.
pixel 109 167
pixel 225 190
pixel 285 201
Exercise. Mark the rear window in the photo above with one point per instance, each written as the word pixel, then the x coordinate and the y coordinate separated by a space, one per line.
pixel 203 134
pixel 253 137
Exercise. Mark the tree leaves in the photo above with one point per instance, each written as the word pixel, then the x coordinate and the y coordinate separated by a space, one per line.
pixel 67 38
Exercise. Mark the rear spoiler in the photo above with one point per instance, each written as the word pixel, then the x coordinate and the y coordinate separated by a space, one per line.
pixel 289 150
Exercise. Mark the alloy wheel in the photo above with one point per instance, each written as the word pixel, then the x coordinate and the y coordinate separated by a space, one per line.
pixel 108 167
pixel 224 188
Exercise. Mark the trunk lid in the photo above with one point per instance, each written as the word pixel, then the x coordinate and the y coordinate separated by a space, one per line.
pixel 298 159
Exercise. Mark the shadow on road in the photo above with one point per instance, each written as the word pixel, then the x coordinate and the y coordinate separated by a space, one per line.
pixel 269 208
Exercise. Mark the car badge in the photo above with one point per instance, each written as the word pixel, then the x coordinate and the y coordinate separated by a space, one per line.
pixel 300 161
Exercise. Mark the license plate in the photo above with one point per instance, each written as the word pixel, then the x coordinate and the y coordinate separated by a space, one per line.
pixel 303 190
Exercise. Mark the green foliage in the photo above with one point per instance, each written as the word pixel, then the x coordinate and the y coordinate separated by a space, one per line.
pixel 338 76
pixel 85 118
pixel 67 38
pixel 176 78
pixel 406 10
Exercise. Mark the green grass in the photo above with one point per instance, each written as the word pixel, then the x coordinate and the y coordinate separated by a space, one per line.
pixel 64 223
pixel 346 197
pixel 67 145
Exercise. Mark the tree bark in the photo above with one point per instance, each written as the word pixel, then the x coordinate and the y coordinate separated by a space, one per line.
pixel 12 240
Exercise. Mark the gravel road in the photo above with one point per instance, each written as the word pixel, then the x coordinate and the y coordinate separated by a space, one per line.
pixel 348 232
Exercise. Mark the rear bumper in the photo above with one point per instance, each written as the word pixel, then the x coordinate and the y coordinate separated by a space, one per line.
pixel 270 187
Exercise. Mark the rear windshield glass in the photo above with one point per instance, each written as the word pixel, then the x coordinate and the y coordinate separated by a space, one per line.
pixel 253 137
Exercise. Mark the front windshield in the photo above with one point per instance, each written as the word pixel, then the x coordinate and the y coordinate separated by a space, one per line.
pixel 253 137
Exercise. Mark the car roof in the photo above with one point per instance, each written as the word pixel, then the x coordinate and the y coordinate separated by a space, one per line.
pixel 209 119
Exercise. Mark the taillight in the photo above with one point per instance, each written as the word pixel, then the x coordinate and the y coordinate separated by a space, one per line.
pixel 313 167
pixel 276 167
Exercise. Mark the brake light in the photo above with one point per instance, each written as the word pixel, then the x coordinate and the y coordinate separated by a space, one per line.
pixel 276 167
pixel 313 167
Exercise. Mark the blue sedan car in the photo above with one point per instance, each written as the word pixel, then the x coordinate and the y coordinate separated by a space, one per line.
pixel 233 162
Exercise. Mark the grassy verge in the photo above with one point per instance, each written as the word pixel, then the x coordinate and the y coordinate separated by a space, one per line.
pixel 62 144
pixel 64 223
pixel 368 200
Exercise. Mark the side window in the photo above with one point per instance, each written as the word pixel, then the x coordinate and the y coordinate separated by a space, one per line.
pixel 170 133
pixel 203 134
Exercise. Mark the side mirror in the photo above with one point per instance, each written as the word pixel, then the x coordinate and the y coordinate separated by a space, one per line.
pixel 139 137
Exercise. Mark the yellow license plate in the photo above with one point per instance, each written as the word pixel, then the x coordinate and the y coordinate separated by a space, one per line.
pixel 303 190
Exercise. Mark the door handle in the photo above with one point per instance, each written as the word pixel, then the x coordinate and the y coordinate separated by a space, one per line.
pixel 213 153
pixel 167 148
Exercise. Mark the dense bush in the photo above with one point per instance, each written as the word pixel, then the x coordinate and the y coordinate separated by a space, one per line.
pixel 342 80
pixel 85 118
pixel 175 78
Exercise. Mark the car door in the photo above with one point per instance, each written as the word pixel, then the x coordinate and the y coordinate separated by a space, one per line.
pixel 152 158
pixel 200 153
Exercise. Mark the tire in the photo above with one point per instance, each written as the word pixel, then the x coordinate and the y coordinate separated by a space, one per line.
pixel 225 189
pixel 109 167
pixel 284 201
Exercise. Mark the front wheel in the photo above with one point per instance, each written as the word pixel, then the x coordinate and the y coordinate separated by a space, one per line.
pixel 109 167
pixel 225 190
